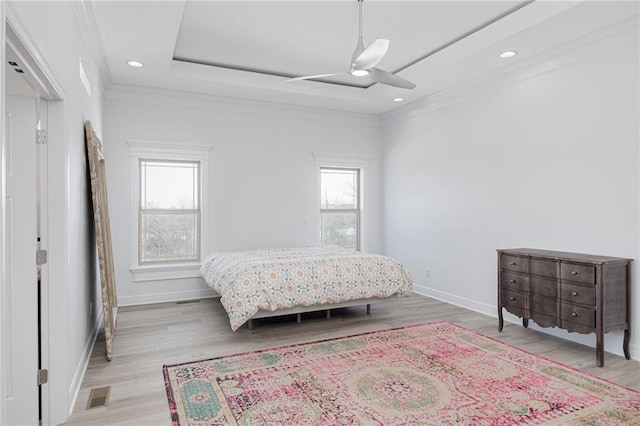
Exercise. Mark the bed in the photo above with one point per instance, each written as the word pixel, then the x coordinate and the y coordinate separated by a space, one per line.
pixel 270 282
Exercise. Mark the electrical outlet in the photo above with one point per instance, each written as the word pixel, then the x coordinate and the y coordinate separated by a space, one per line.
pixel 91 309
pixel 428 273
pixel 85 319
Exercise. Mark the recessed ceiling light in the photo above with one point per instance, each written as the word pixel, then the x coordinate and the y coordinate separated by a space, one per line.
pixel 508 54
pixel 135 64
pixel 398 99
pixel 359 73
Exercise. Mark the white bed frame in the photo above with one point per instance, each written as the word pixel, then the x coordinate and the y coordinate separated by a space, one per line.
pixel 299 310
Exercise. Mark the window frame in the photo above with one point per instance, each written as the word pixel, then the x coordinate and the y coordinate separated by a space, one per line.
pixel 342 161
pixel 142 211
pixel 166 151
pixel 358 205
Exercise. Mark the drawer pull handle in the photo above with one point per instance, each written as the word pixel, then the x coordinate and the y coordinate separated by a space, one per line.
pixel 512 298
pixel 512 263
pixel 512 281
pixel 575 293
pixel 574 273
pixel 573 314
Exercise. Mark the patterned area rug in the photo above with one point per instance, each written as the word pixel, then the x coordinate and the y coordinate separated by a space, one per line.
pixel 431 374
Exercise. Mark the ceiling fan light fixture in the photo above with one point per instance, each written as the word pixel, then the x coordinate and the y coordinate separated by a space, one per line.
pixel 364 60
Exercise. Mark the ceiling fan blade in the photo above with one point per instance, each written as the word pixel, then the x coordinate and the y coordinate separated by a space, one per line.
pixel 371 55
pixel 310 77
pixel 384 77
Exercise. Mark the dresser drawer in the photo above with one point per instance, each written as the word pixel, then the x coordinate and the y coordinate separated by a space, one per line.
pixel 543 287
pixel 577 272
pixel 513 263
pixel 515 302
pixel 514 299
pixel 515 282
pixel 577 314
pixel 575 293
pixel 544 268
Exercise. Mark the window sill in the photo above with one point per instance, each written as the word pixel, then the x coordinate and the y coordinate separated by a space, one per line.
pixel 165 272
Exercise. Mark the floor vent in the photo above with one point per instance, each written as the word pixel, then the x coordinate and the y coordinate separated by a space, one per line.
pixel 98 397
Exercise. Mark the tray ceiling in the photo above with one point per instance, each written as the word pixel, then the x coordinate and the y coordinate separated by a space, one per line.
pixel 248 49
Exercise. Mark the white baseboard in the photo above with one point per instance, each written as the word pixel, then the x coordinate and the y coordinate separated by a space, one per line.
pixel 174 296
pixel 81 369
pixel 614 345
pixel 463 302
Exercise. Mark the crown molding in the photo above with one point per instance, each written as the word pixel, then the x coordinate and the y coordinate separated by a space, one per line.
pixel 614 37
pixel 182 99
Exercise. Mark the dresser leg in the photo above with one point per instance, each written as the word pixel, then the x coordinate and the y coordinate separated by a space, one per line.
pixel 600 349
pixel 525 322
pixel 625 344
pixel 500 320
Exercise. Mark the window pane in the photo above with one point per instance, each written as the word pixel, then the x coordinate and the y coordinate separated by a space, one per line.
pixel 169 237
pixel 340 229
pixel 169 184
pixel 339 188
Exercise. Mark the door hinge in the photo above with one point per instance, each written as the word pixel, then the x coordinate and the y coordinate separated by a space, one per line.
pixel 43 377
pixel 41 137
pixel 41 257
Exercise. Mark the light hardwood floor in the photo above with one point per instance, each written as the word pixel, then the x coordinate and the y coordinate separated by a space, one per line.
pixel 151 336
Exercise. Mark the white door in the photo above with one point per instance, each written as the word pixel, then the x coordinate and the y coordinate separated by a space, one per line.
pixel 20 306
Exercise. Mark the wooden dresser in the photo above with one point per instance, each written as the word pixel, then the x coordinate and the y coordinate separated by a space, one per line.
pixel 577 292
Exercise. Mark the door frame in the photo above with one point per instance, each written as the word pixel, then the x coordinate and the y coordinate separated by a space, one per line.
pixel 3 193
pixel 15 43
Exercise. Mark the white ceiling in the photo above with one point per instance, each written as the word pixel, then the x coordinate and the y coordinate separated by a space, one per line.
pixel 248 49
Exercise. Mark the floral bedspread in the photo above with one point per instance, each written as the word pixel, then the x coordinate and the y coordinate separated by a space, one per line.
pixel 272 279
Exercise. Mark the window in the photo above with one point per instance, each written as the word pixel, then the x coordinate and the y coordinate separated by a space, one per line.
pixel 340 207
pixel 340 194
pixel 169 210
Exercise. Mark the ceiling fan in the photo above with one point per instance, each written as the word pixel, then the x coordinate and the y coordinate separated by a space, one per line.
pixel 363 62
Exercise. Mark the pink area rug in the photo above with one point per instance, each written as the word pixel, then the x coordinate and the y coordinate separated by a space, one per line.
pixel 431 374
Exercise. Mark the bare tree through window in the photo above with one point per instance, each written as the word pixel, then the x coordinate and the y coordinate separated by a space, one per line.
pixel 169 214
pixel 340 207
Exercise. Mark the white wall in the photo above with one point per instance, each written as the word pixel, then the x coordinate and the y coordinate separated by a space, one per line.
pixel 54 29
pixel 262 185
pixel 546 157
